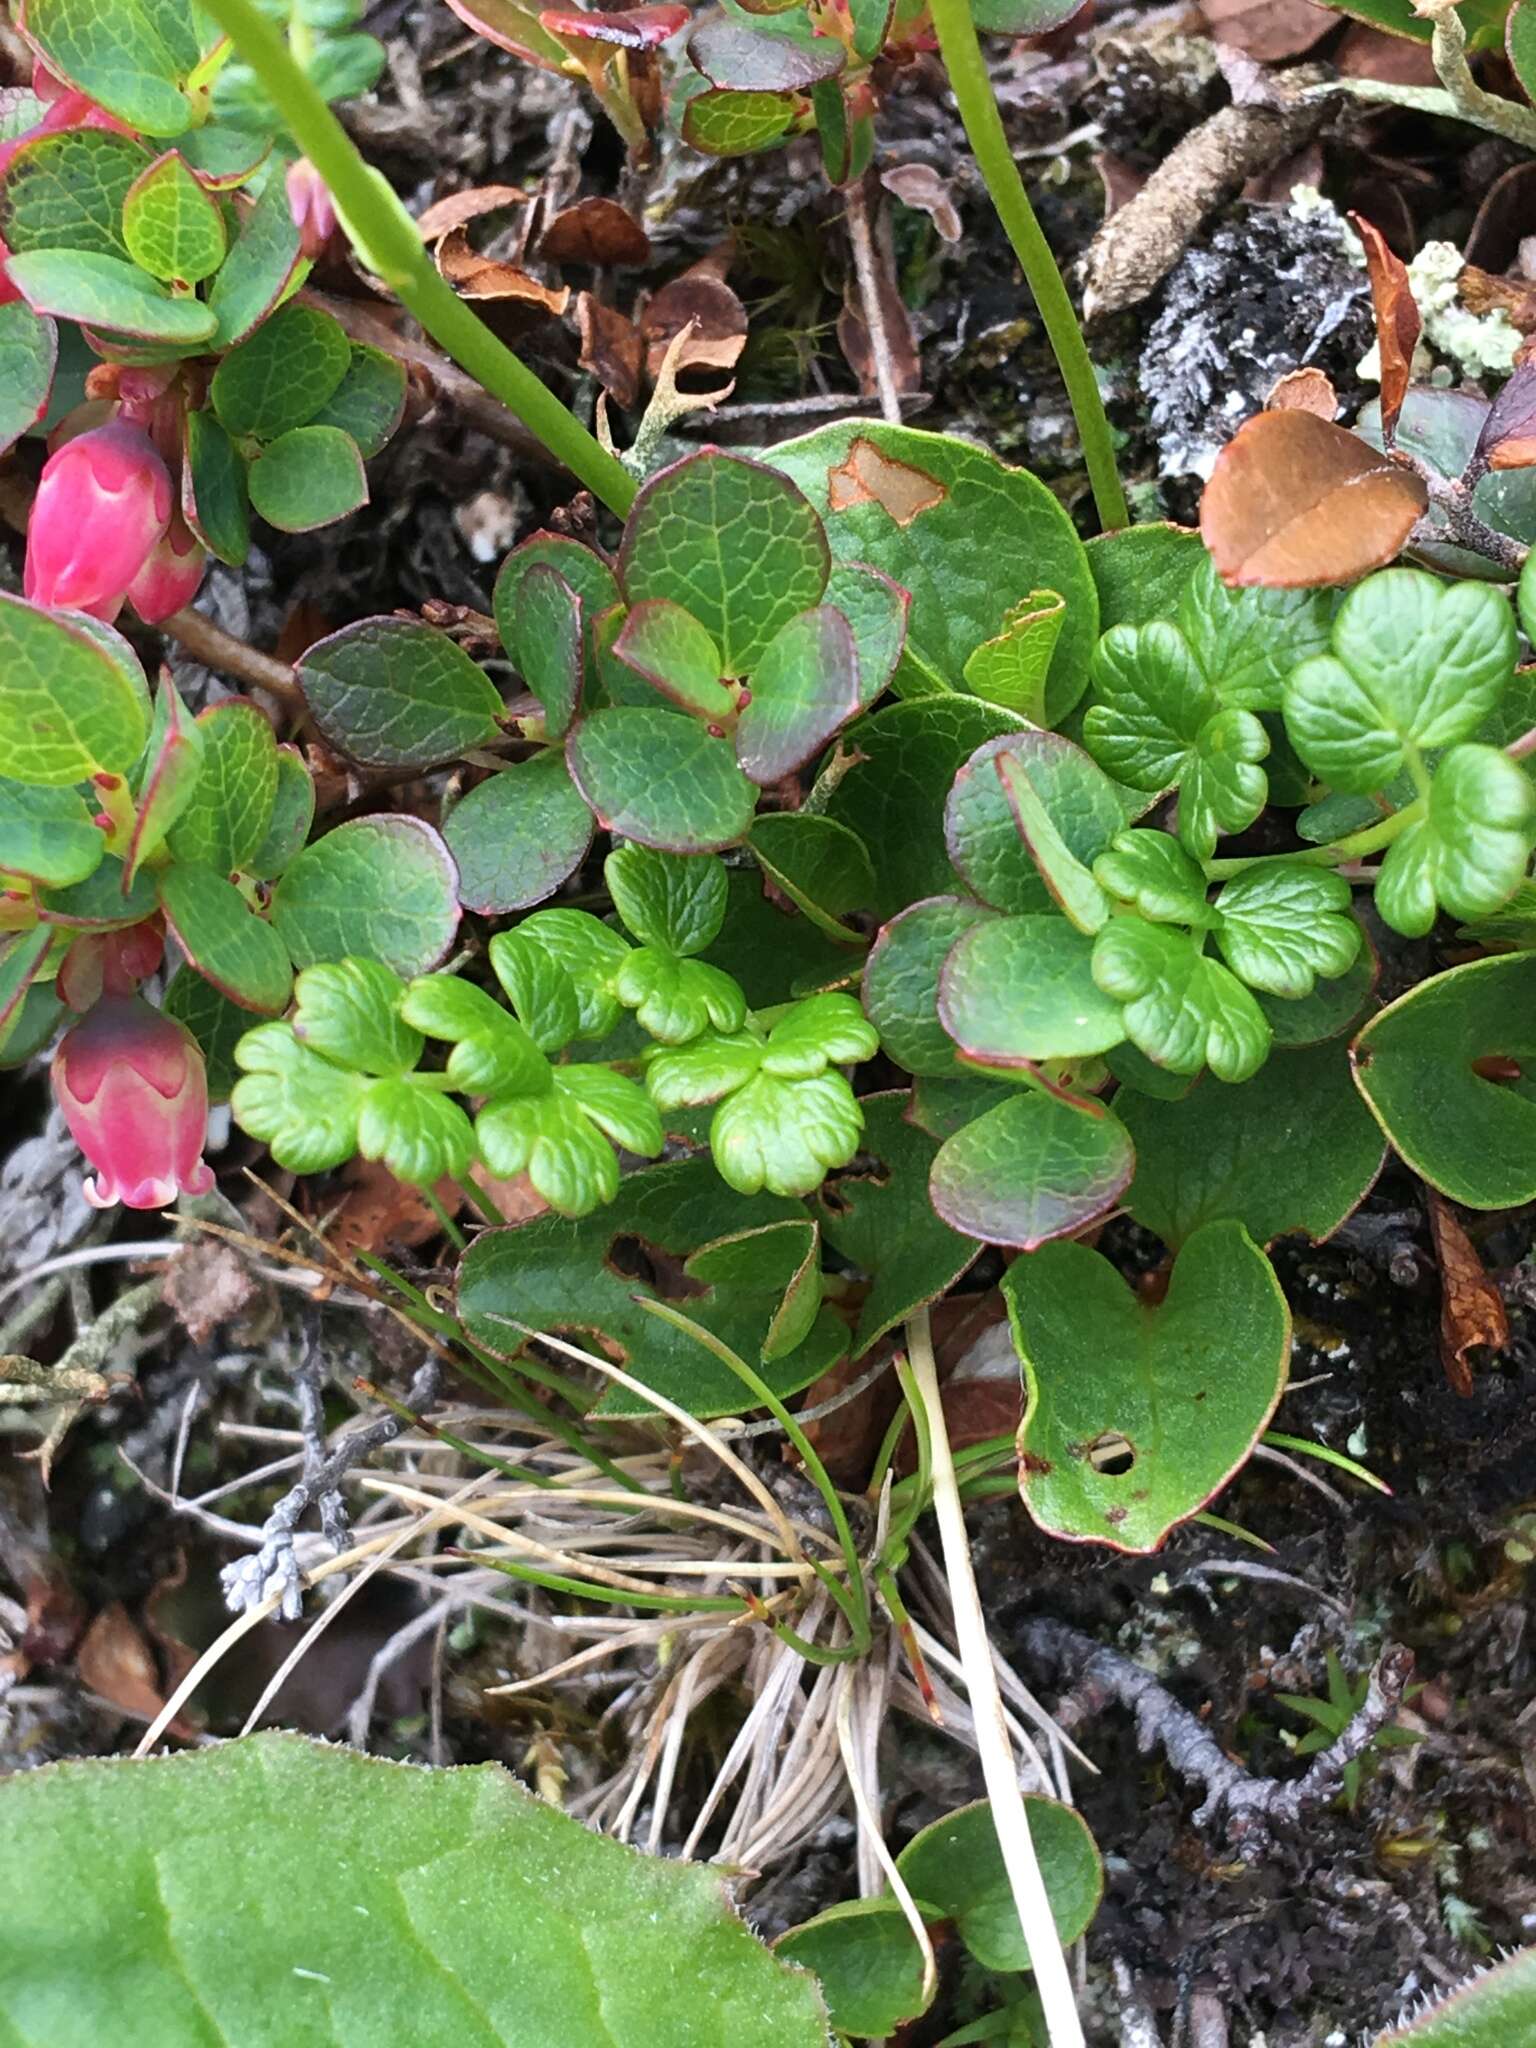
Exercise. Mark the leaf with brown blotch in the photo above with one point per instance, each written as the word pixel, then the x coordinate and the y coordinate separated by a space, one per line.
pixel 610 349
pixel 1269 30
pixel 1508 439
pixel 1398 324
pixel 1306 390
pixel 596 231
pixel 868 476
pixel 1296 502
pixel 1472 1311
pixel 474 276
pixel 459 208
pixel 719 323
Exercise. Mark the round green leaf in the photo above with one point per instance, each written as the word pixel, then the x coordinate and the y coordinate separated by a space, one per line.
pixel 573 1935
pixel 745 60
pixel 955 1867
pixel 804 689
pixel 1037 1166
pixel 130 56
pixel 868 1963
pixel 309 477
pixel 518 835
pixel 1136 1416
pixel 725 123
pixel 1017 990
pixel 587 573
pixel 1294 1149
pixel 731 541
pixel 901 982
pixel 105 292
pixel 66 191
pixel 70 703
pixel 395 693
pixel 383 888
pixel 224 940
pixel 173 227
pixel 1472 1137
pixel 661 778
pixel 1141 572
pixel 290 367
pixel 369 402
pixel 672 651
pixel 255 276
pixel 28 352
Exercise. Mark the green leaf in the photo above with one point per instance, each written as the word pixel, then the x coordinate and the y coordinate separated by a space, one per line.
pixel 731 541
pixel 878 1217
pixel 965 534
pixel 822 867
pixel 1013 669
pixel 1016 990
pixel 876 610
pixel 215 499
pixel 566 1158
pixel 589 952
pixel 785 1136
pixel 722 123
pixel 904 758
pixel 224 939
pixel 223 158
pixel 419 1135
pixel 283 374
pixel 66 191
pixel 1037 1166
pixel 1416 663
pixel 349 1011
pixel 579 1277
pixel 28 353
pixel 118 54
pixel 672 901
pixel 299 1105
pixel 309 477
pixel 382 888
pixel 1043 781
pixel 1294 1149
pixel 1472 1137
pixel 232 801
pixel 587 573
pixel 672 651
pixel 369 402
pixel 214 1021
pixel 1281 925
pixel 68 705
pixel 774 953
pixel 293 812
pixel 173 761
pixel 1153 872
pixel 703 1069
pixel 22 955
pixel 395 693
pixel 655 776
pixel 546 644
pixel 1492 2009
pixel 1136 1416
pixel 955 1866
pixel 674 1000
pixel 172 226
pixel 749 60
pixel 618 1106
pixel 47 835
pixel 100 903
pixel 105 292
pixel 256 275
pixel 1141 572
pixel 868 1963
pixel 1468 853
pixel 805 688
pixel 518 835
pixel 539 986
pixel 1330 1009
pixel 1247 641
pixel 1182 1010
pixel 491 1052
pixel 823 1030
pixel 901 982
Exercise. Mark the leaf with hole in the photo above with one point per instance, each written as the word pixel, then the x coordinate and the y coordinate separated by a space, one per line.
pixel 1036 1166
pixel 383 888
pixel 395 693
pixel 1137 1415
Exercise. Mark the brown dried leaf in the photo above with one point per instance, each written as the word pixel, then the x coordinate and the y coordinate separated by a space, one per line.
pixel 596 231
pixel 719 324
pixel 920 186
pixel 459 208
pixel 1472 1311
pixel 1508 439
pixel 207 1284
pixel 474 276
pixel 1296 502
pixel 1481 292
pixel 378 1211
pixel 1503 220
pixel 1121 180
pixel 1398 325
pixel 846 1440
pixel 869 476
pixel 1268 30
pixel 611 349
pixel 115 1662
pixel 1306 390
pixel 1368 52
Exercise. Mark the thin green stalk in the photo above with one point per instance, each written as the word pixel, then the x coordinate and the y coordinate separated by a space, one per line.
pixel 450 1229
pixel 972 88
pixel 386 238
pixel 1370 839
pixel 613 1596
pixel 476 1196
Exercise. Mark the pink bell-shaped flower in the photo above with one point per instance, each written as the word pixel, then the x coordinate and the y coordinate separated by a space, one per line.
pixel 102 505
pixel 312 207
pixel 134 1092
pixel 171 573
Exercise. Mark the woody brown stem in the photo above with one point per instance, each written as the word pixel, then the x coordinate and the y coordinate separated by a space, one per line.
pixel 214 648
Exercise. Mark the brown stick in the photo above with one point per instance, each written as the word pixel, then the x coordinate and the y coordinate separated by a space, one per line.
pixel 215 648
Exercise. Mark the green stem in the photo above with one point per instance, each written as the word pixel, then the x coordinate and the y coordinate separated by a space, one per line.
pixel 1368 840
pixel 476 1196
pixel 972 87
pixel 386 238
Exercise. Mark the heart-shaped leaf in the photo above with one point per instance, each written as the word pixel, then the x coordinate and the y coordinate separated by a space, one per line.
pixel 224 939
pixel 661 778
pixel 69 702
pixel 105 292
pixel 1153 872
pixel 1018 990
pixel 1135 1416
pixel 672 901
pixel 1183 1010
pixel 309 477
pixel 955 1866
pixel 804 689
pixel 1281 925
pixel 1294 1149
pixel 283 374
pixel 492 1053
pixel 518 835
pixel 303 1107
pixel 867 1961
pixel 382 888
pixel 349 1011
pixel 1036 1167
pixel 172 226
pixel 394 693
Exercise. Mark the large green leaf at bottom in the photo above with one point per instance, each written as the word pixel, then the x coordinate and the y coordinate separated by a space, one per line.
pixel 414 1905
pixel 1036 1167
pixel 581 1278
pixel 1471 1136
pixel 1135 1415
pixel 1494 2009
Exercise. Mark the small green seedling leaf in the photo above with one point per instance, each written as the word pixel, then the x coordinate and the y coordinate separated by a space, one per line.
pixel 803 690
pixel 546 643
pixel 563 1137
pixel 724 123
pixel 955 1867
pixel 674 1000
pixel 309 477
pixel 661 778
pixel 173 228
pixel 283 374
pixel 492 1053
pixel 1018 990
pixel 1469 852
pixel 539 986
pixel 349 1011
pixel 70 702
pixel 901 982
pixel 1183 1010
pixel 675 902
pixel 672 651
pixel 418 1134
pixel 224 939
pixel 381 888
pixel 395 693
pixel 1136 1416
pixel 518 835
pixel 1281 925
pixel 868 1963
pixel 229 809
pixel 589 952
pixel 1152 872
pixel 1013 668
pixel 1037 1166
pixel 47 836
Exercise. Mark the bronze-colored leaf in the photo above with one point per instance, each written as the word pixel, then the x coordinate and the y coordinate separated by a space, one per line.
pixel 1296 502
pixel 459 208
pixel 1472 1312
pixel 596 231
pixel 474 276
pixel 610 349
pixel 1268 30
pixel 1398 325
pixel 1308 389
pixel 718 316
pixel 1508 439
pixel 921 187
pixel 116 1663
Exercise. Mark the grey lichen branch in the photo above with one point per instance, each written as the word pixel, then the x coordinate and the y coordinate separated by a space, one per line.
pixel 274 1569
pixel 1458 97
pixel 1253 1811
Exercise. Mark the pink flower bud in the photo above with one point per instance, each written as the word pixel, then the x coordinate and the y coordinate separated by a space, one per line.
pixel 312 207
pixel 108 963
pixel 102 505
pixel 171 573
pixel 134 1092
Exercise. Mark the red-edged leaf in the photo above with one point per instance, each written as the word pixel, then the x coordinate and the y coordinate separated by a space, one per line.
pixel 642 28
